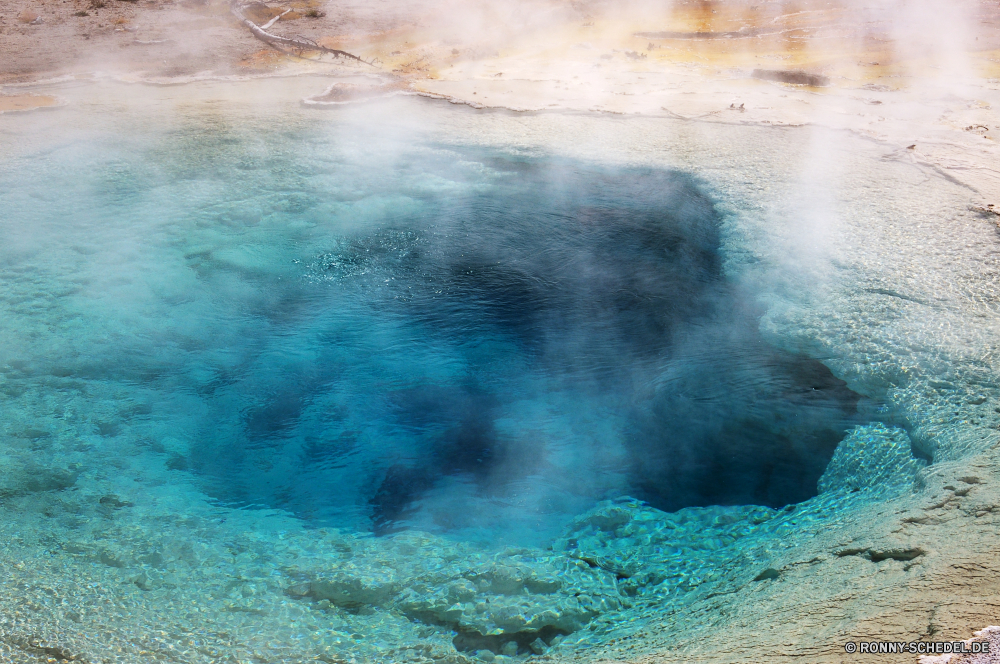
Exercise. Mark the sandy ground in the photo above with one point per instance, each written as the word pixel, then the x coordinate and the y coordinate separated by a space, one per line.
pixel 929 92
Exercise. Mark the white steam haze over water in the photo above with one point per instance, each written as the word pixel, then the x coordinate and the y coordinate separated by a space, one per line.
pixel 404 380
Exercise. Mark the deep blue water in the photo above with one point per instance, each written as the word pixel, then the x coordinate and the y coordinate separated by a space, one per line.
pixel 454 339
pixel 509 323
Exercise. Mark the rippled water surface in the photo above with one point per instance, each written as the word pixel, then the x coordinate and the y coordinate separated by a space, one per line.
pixel 452 338
pixel 381 376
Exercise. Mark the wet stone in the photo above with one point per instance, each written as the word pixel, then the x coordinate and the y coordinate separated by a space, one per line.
pixel 114 502
pixel 112 558
pixel 364 588
pixel 43 479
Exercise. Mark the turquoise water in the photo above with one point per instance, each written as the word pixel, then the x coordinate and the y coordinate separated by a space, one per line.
pixel 370 345
pixel 431 391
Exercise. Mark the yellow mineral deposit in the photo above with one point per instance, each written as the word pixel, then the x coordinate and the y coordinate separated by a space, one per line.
pixel 26 102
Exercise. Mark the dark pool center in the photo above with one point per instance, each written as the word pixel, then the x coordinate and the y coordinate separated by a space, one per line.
pixel 566 336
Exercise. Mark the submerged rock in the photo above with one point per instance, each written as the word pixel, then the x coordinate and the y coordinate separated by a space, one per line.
pixel 19 480
pixel 518 601
pixel 356 587
pixel 501 602
pixel 650 551
pixel 873 457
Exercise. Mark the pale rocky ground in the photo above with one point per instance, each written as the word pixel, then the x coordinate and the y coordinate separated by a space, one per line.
pixel 922 565
pixel 931 78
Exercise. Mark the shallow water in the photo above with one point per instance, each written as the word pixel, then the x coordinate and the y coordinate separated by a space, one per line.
pixel 277 332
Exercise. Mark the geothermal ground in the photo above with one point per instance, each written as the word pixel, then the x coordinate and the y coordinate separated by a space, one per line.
pixel 923 90
pixel 925 82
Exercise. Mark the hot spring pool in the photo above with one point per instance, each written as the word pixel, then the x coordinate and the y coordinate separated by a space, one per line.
pixel 410 382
